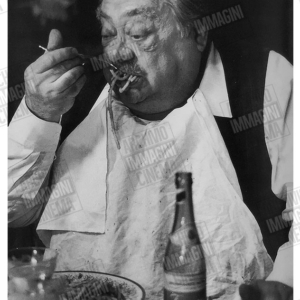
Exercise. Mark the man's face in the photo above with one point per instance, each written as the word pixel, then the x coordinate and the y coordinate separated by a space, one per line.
pixel 144 36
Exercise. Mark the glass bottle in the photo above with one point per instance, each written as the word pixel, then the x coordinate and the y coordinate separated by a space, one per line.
pixel 184 263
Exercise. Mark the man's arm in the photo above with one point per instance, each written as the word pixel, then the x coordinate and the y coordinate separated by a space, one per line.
pixel 280 79
pixel 32 143
pixel 52 82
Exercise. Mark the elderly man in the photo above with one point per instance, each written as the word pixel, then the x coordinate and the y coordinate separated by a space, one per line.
pixel 106 196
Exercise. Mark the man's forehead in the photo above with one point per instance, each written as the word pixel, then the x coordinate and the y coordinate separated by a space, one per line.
pixel 130 8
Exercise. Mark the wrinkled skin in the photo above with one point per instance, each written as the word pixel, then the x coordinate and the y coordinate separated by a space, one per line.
pixel 168 63
pixel 54 80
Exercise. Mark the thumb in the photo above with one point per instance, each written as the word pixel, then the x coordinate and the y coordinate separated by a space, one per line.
pixel 55 40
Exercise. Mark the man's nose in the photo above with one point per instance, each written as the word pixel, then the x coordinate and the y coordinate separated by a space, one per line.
pixel 123 52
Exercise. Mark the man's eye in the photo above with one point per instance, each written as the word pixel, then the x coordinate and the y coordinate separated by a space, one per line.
pixel 105 37
pixel 140 35
pixel 137 37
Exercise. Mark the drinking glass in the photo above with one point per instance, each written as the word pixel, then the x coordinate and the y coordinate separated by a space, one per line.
pixel 29 270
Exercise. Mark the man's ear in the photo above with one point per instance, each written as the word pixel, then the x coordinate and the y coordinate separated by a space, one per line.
pixel 201 39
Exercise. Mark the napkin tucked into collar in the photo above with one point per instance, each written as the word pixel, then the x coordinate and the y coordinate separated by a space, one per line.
pixel 126 197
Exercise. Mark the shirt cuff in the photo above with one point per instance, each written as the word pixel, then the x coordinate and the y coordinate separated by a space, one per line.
pixel 33 132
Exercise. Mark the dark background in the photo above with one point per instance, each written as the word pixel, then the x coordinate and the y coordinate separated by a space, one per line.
pixel 267 22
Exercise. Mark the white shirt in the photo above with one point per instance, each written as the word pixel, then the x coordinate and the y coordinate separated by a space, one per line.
pixel 33 142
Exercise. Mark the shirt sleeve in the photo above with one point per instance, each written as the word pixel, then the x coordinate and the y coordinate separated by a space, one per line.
pixel 279 93
pixel 32 143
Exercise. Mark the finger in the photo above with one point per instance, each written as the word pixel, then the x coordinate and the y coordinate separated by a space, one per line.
pixel 32 80
pixel 60 69
pixel 55 40
pixel 76 87
pixel 50 59
pixel 69 78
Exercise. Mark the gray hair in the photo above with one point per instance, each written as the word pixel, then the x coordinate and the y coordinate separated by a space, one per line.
pixel 185 11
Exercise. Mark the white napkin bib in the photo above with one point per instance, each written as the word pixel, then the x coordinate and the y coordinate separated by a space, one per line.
pixel 122 202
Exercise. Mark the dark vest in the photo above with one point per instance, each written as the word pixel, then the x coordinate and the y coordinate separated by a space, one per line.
pixel 245 66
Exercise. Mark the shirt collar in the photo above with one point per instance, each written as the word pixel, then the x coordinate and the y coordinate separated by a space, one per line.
pixel 213 85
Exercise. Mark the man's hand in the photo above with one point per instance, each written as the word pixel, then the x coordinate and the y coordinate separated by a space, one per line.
pixel 266 290
pixel 54 80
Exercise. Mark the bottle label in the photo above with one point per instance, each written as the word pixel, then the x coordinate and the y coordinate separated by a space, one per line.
pixel 186 235
pixel 192 258
pixel 182 283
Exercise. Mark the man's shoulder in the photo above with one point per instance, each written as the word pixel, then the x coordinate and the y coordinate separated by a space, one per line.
pixel 248 51
pixel 245 65
pixel 244 47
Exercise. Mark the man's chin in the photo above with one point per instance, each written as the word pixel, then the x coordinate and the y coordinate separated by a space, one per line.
pixel 132 97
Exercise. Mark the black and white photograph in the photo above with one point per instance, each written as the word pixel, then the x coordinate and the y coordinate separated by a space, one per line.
pixel 151 150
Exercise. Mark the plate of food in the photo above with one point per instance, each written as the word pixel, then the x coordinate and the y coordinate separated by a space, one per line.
pixel 97 286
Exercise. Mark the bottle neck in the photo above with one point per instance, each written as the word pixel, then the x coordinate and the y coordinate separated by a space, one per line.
pixel 184 209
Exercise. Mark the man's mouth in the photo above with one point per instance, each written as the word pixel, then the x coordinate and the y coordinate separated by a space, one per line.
pixel 132 80
pixel 123 80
